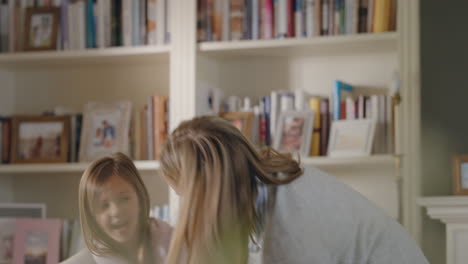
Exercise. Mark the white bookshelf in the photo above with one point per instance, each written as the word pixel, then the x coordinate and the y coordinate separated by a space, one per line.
pixel 316 46
pixel 66 168
pixel 127 55
pixel 382 160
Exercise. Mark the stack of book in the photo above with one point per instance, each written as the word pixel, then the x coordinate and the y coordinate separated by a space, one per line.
pixel 345 103
pixel 268 19
pixel 89 23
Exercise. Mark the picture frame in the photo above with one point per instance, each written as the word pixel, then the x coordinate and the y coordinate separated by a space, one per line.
pixel 7 231
pixel 37 241
pixel 105 129
pixel 41 28
pixel 40 139
pixel 460 174
pixel 23 210
pixel 241 120
pixel 294 132
pixel 351 138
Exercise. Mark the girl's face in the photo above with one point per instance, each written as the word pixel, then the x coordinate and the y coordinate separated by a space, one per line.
pixel 117 211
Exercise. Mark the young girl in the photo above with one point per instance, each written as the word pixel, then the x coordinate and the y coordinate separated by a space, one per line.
pixel 309 217
pixel 114 214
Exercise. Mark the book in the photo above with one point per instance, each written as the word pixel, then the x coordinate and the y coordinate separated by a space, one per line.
pixel 314 105
pixel 160 125
pixel 161 22
pixel 325 125
pixel 339 88
pixel 236 19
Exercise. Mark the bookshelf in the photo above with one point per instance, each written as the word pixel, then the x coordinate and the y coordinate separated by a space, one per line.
pixel 119 55
pixel 33 82
pixel 142 166
pixel 318 46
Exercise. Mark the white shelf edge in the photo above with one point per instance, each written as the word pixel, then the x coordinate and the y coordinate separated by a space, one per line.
pixel 293 42
pixel 83 54
pixel 441 201
pixel 142 165
pixel 374 160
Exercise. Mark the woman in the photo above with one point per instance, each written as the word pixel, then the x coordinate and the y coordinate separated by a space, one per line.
pixel 310 217
pixel 114 215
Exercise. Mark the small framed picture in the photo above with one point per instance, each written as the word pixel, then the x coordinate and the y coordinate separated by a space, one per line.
pixel 106 128
pixel 40 139
pixel 37 241
pixel 294 132
pixel 351 138
pixel 7 231
pixel 41 28
pixel 460 175
pixel 242 120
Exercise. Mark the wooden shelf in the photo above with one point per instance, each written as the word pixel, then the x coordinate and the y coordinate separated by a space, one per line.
pixel 327 45
pixel 143 165
pixel 326 162
pixel 127 55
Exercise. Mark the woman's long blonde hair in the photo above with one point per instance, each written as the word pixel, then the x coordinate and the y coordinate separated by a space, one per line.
pixel 216 169
pixel 95 176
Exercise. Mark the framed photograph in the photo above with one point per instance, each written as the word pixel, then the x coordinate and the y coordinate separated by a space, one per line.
pixel 294 132
pixel 106 128
pixel 242 120
pixel 36 241
pixel 351 138
pixel 22 210
pixel 41 28
pixel 460 175
pixel 40 139
pixel 7 231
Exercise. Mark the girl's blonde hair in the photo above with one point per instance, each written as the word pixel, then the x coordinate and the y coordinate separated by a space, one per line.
pixel 95 176
pixel 216 170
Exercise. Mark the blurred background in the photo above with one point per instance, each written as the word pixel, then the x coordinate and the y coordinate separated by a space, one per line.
pixel 370 91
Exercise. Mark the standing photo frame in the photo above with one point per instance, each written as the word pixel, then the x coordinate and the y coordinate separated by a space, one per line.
pixel 105 130
pixel 241 120
pixel 351 138
pixel 41 28
pixel 460 175
pixel 40 139
pixel 37 241
pixel 294 132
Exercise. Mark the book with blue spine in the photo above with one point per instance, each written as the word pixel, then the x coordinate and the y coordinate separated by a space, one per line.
pixel 90 25
pixel 337 91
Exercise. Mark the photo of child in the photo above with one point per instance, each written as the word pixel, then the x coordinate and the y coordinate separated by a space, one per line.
pixel 292 134
pixel 105 132
pixel 40 140
pixel 40 34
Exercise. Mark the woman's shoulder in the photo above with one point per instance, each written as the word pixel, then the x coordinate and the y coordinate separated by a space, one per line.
pixel 161 233
pixel 82 257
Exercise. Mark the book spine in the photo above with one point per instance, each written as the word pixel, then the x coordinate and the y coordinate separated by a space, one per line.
pixel 81 24
pixel 127 20
pixel 236 19
pixel 281 18
pixel 90 25
pixel 309 18
pixel 143 22
pixel 151 14
pixel 247 26
pixel 4 26
pixel 298 18
pixel 290 18
pixel 314 105
pixel 135 22
pixel 160 22
pixel 325 17
pixel 226 20
pixel 218 20
pixel 143 133
pixel 370 16
pixel 267 19
pixel 255 19
pixel 267 103
pixel 350 109
pixel 382 11
pixel 325 125
pixel 363 12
